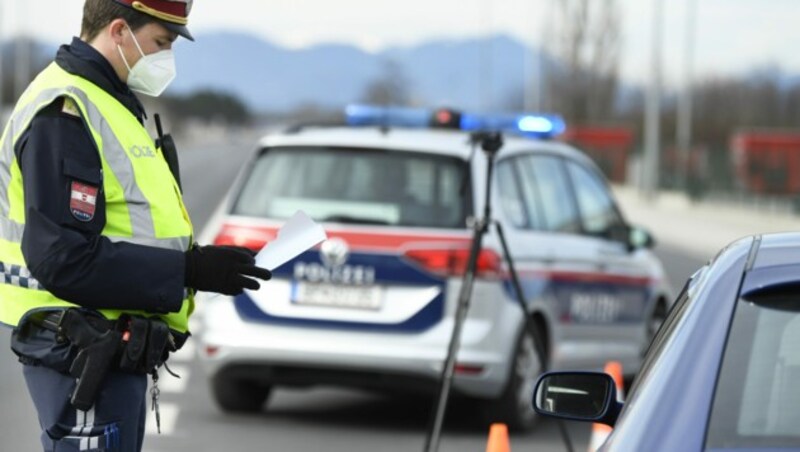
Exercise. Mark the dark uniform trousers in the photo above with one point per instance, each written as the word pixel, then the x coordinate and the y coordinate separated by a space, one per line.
pixel 116 422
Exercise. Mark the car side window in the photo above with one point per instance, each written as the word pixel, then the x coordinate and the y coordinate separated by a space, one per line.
pixel 511 200
pixel 547 190
pixel 660 339
pixel 757 400
pixel 598 213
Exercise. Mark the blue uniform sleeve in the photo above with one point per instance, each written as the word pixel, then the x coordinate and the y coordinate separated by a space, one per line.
pixel 65 215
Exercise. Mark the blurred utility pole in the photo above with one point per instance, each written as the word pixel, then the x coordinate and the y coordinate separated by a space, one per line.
pixel 652 131
pixel 684 120
pixel 2 47
pixel 487 50
pixel 22 56
pixel 531 67
pixel 586 38
pixel 529 77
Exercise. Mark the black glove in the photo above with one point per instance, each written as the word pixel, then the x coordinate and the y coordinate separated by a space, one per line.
pixel 223 269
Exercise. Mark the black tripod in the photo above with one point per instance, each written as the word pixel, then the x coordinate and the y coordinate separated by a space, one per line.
pixel 490 143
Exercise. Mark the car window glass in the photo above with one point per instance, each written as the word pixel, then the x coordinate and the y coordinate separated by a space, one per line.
pixel 660 339
pixel 545 183
pixel 510 197
pixel 757 400
pixel 358 186
pixel 596 206
pixel 530 194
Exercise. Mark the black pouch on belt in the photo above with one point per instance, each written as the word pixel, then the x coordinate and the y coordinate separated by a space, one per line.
pixel 157 345
pixel 36 341
pixel 147 346
pixel 133 355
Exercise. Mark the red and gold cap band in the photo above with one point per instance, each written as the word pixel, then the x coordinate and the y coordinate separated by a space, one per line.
pixel 173 14
pixel 140 6
pixel 175 11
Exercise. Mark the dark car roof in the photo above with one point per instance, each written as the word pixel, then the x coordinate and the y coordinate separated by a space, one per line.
pixel 778 250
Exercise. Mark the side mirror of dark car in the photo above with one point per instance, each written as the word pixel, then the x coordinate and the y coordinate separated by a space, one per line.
pixel 577 396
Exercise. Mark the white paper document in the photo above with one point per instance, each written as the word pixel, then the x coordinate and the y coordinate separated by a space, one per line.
pixel 299 234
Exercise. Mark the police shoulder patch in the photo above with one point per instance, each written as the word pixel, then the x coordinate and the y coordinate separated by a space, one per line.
pixel 83 201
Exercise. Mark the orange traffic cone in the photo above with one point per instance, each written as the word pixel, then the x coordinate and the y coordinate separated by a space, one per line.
pixel 601 431
pixel 498 439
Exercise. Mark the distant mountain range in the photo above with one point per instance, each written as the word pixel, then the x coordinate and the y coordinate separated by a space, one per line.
pixel 272 78
pixel 269 78
pixel 462 73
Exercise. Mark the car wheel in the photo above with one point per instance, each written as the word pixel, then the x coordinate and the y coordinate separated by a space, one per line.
pixel 514 406
pixel 239 395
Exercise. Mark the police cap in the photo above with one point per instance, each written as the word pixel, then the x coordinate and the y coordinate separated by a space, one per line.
pixel 172 14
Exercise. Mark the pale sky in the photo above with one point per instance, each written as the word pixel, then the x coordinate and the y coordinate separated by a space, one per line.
pixel 732 35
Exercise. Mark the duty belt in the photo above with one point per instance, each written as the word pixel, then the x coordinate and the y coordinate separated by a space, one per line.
pixel 53 319
pixel 130 344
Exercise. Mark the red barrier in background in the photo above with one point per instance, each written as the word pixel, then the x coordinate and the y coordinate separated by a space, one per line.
pixel 767 161
pixel 608 146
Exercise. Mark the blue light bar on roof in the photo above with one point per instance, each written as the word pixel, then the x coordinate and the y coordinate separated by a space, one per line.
pixel 525 124
pixel 371 115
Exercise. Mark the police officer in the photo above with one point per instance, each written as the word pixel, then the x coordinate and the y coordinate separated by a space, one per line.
pixel 96 255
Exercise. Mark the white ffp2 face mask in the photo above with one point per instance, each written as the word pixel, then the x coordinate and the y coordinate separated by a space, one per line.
pixel 152 73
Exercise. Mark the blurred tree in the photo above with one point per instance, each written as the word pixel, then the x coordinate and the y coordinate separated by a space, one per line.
pixel 390 88
pixel 311 114
pixel 586 37
pixel 37 58
pixel 208 106
pixel 764 98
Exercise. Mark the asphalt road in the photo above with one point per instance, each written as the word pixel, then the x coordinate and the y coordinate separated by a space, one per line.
pixel 314 420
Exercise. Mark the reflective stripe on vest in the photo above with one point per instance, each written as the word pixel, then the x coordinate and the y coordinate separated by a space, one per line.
pixel 143 202
pixel 19 276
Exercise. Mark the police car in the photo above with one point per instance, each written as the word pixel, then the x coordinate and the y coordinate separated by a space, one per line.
pixel 373 306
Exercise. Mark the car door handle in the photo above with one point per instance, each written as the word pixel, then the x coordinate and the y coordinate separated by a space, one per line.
pixel 548 260
pixel 611 250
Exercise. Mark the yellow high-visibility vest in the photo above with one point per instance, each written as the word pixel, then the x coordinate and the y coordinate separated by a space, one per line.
pixel 143 201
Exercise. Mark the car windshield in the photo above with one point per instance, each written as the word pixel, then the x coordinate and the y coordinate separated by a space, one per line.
pixel 757 401
pixel 357 186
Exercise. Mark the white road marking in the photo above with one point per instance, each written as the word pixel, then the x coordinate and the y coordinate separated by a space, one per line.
pixel 185 354
pixel 169 417
pixel 195 324
pixel 168 383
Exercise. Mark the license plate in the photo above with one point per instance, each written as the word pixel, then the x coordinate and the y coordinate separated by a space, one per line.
pixel 595 308
pixel 337 296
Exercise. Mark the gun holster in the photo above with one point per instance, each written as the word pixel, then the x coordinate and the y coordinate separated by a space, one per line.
pixel 97 351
